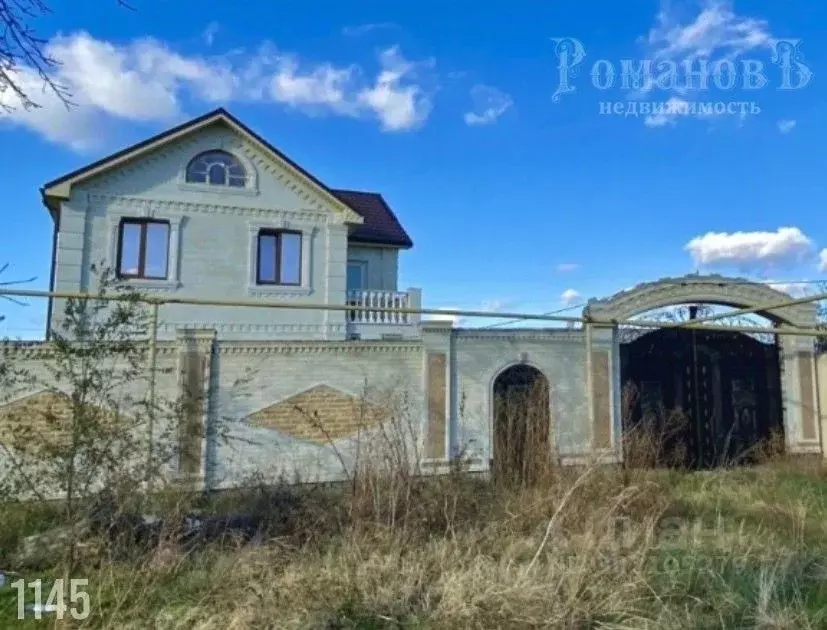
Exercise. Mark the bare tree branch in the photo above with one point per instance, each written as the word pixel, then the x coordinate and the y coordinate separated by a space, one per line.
pixel 24 56
pixel 7 283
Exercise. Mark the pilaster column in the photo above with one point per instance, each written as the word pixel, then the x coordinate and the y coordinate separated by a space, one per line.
pixel 602 391
pixel 195 356
pixel 439 388
pixel 335 277
pixel 800 394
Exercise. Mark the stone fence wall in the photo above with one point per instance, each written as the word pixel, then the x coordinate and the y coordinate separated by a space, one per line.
pixel 319 410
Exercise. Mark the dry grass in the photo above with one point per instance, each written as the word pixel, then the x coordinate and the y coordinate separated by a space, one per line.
pixel 739 548
pixel 593 547
pixel 671 550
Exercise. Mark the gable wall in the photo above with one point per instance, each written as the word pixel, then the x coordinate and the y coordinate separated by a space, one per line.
pixel 211 252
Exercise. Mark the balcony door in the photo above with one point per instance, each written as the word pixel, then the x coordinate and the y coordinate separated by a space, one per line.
pixel 356 276
pixel 356 283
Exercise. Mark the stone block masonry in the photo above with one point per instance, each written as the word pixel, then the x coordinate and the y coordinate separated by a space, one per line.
pixel 305 410
pixel 319 415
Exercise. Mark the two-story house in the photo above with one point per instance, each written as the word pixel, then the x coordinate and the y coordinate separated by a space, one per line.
pixel 210 210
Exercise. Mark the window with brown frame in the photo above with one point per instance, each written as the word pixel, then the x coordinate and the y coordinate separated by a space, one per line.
pixel 143 249
pixel 279 257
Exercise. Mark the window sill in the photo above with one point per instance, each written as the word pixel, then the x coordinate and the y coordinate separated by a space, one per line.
pixel 139 283
pixel 218 190
pixel 275 290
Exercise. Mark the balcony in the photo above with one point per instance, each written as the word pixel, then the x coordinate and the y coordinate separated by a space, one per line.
pixel 365 322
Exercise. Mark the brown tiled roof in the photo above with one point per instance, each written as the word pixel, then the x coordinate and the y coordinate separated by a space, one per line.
pixel 381 225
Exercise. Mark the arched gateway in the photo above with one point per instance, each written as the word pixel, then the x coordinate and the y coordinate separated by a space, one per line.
pixel 731 391
pixel 694 289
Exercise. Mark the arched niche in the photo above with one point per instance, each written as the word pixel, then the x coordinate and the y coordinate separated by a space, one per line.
pixel 521 422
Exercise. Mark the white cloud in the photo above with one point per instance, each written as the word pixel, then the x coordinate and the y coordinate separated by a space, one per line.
pixel 786 126
pixel 674 108
pixel 325 87
pixel 793 289
pixel 489 104
pixel 210 32
pixel 455 320
pixel 354 31
pixel 144 80
pixel 822 260
pixel 75 128
pixel 140 81
pixel 746 251
pixel 570 297
pixel 496 305
pixel 397 103
pixel 567 267
pixel 715 33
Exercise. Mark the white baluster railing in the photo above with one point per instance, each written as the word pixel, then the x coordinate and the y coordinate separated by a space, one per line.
pixel 365 303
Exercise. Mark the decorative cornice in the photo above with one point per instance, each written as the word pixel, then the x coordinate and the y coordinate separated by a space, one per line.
pixel 282 293
pixel 318 347
pixel 300 189
pixel 280 223
pixel 524 334
pixel 240 327
pixel 45 349
pixel 152 286
pixel 26 350
pixel 168 207
pixel 204 339
pixel 434 326
pixel 205 136
pixel 738 292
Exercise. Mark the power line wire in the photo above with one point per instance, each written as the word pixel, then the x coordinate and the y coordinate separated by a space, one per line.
pixel 667 281
pixel 516 321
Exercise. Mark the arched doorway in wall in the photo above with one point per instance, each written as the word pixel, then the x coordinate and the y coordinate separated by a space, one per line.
pixel 521 424
pixel 721 391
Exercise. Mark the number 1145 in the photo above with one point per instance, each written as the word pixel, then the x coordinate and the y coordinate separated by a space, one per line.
pixel 78 605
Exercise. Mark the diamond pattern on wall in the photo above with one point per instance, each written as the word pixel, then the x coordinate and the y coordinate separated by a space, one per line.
pixel 319 414
pixel 42 420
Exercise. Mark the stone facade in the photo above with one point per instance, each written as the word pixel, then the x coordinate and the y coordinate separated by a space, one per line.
pixel 319 415
pixel 298 393
pixel 305 410
pixel 42 420
pixel 212 239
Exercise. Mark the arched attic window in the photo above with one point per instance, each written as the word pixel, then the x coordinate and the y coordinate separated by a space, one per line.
pixel 217 168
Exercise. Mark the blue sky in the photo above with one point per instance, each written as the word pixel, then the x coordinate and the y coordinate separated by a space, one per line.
pixel 514 201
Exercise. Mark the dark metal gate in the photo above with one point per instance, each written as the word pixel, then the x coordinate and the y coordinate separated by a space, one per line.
pixel 725 386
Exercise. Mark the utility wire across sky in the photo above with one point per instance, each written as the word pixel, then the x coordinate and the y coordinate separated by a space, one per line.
pixel 670 281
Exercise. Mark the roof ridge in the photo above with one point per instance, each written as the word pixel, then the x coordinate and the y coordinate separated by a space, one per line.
pixel 361 192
